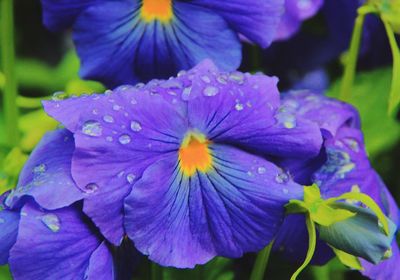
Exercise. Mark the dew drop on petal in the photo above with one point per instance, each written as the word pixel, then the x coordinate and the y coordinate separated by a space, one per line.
pixel 237 77
pixel 222 80
pixel 210 91
pixel 261 170
pixel 2 221
pixel 285 191
pixel 59 95
pixel 130 178
pixel 92 128
pixel 109 139
pixel 52 222
pixel 136 126
pixel 186 93
pixel 239 107
pixel 40 168
pixel 206 79
pixel 91 188
pixel 124 139
pixel 116 107
pixel 108 119
pixel 281 178
pixel 133 101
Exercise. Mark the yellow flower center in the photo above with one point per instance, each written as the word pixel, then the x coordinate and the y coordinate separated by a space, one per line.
pixel 157 10
pixel 194 154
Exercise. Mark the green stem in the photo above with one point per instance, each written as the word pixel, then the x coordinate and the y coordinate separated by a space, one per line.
pixel 394 98
pixel 351 59
pixel 312 240
pixel 8 58
pixel 261 263
pixel 156 272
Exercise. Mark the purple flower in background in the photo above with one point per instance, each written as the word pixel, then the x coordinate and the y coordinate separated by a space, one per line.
pixel 185 156
pixel 296 11
pixel 126 41
pixel 53 240
pixel 342 166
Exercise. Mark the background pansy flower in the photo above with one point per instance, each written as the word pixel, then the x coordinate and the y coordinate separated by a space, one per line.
pixel 66 244
pixel 186 156
pixel 128 41
pixel 342 166
pixel 296 11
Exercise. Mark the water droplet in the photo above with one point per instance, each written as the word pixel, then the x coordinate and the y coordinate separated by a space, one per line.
pixel 95 112
pixel 116 107
pixel 237 77
pixel 92 128
pixel 261 170
pixel 139 85
pixel 40 168
pixel 109 139
pixel 287 120
pixel 186 93
pixel 172 84
pixel 281 178
pixel 285 191
pixel 124 139
pixel 210 91
pixel 181 73
pixel 222 80
pixel 130 178
pixel 239 107
pixel 133 101
pixel 2 221
pixel 206 79
pixel 108 119
pixel 108 92
pixel 52 222
pixel 136 126
pixel 91 188
pixel 59 95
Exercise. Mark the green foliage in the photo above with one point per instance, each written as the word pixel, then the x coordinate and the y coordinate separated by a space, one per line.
pixel 369 96
pixel 217 269
pixel 5 273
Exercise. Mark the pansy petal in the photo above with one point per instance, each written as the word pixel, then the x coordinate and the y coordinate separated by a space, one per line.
pixel 234 208
pixel 52 244
pixel 241 109
pixel 9 221
pixel 120 47
pixel 257 20
pixel 295 12
pixel 328 113
pixel 101 264
pixel 48 171
pixel 292 242
pixel 117 136
pixel 388 269
pixel 60 14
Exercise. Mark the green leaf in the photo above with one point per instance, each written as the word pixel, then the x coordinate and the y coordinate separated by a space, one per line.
pixel 5 273
pixel 347 259
pixel 217 269
pixel 369 96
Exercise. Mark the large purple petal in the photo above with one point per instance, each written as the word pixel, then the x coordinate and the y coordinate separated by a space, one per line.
pixel 9 221
pixel 182 221
pixel 257 20
pixel 117 136
pixel 52 244
pixel 47 174
pixel 241 109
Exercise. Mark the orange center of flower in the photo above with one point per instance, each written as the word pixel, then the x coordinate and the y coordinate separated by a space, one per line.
pixel 194 154
pixel 157 10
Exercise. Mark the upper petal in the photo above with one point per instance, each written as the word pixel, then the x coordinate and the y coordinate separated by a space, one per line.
pixel 182 221
pixel 62 246
pixel 46 175
pixel 119 47
pixel 255 19
pixel 61 14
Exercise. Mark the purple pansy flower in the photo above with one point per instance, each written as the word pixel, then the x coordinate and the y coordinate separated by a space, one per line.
pixel 342 166
pixel 43 234
pixel 296 11
pixel 127 41
pixel 186 157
